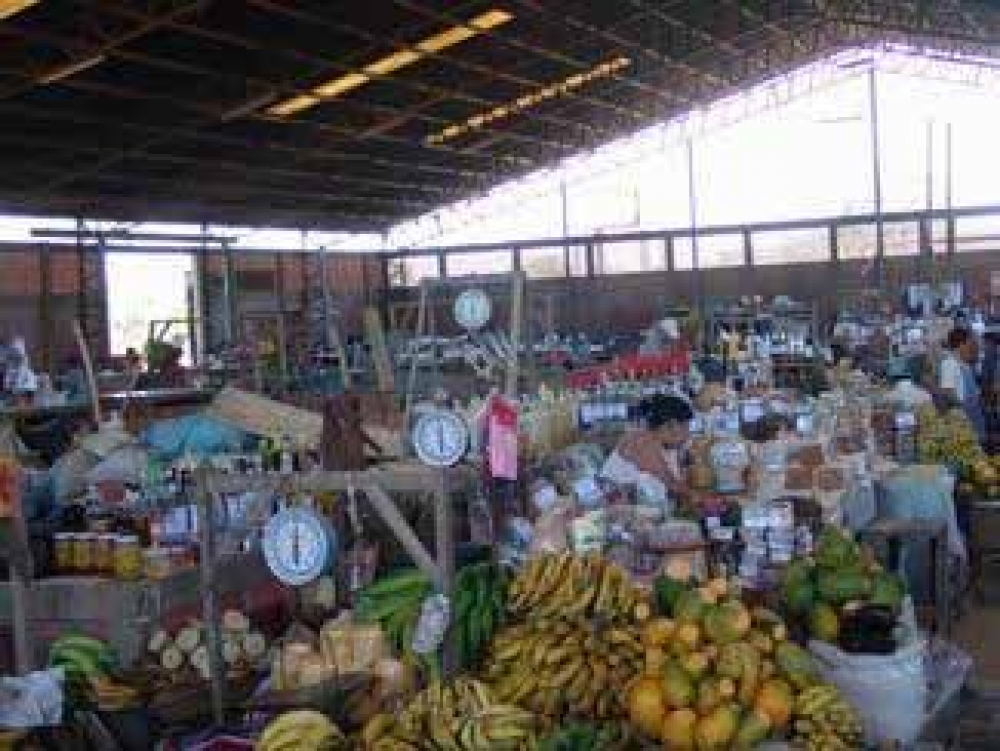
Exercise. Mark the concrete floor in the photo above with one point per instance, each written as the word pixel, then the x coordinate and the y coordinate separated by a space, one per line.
pixel 978 633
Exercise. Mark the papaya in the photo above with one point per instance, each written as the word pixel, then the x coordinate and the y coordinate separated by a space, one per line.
pixel 677 730
pixel 799 596
pixel 887 589
pixel 754 729
pixel 838 587
pixel 657 632
pixel 824 624
pixel 726 622
pixel 689 607
pixel 717 729
pixel 646 706
pixel 796 664
pixel 835 549
pixel 776 700
pixel 677 687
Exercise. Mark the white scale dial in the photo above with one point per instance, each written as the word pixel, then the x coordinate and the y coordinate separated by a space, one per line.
pixel 297 545
pixel 473 309
pixel 440 438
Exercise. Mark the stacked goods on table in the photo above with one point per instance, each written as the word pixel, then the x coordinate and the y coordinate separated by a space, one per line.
pixel 842 596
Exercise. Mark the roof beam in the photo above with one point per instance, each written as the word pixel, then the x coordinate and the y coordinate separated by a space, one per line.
pixel 452 59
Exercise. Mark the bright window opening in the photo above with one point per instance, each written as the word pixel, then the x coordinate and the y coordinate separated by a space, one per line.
pixel 147 289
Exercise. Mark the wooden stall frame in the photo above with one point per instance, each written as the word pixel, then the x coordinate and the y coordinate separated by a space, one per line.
pixel 377 485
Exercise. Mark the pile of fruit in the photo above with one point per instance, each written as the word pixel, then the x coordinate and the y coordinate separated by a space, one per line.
pixel 565 667
pixel 463 715
pixel 394 603
pixel 719 675
pixel 183 655
pixel 842 596
pixel 948 439
pixel 477 602
pixel 569 585
pixel 302 730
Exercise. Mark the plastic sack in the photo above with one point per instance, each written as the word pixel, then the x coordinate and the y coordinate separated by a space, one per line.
pixel 69 474
pixel 922 492
pixel 32 701
pixel 890 693
pixel 192 434
pixel 125 465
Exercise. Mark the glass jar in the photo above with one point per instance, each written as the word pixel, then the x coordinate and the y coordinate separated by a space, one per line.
pixel 83 552
pixel 62 544
pixel 156 563
pixel 127 557
pixel 104 558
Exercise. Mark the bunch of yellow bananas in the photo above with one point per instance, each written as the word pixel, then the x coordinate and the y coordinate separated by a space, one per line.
pixel 301 730
pixel 463 715
pixel 569 584
pixel 824 721
pixel 565 666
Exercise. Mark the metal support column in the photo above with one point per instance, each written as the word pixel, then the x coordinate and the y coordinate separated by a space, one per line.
pixel 876 175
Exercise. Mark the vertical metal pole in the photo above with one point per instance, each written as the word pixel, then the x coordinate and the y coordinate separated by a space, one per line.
pixel 929 160
pixel 564 208
pixel 230 309
pixel 209 607
pixel 697 303
pixel 949 185
pixel 876 174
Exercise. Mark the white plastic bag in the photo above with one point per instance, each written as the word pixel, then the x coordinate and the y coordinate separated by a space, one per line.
pixel 889 692
pixel 31 701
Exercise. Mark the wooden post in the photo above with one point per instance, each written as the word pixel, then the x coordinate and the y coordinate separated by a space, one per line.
pixel 387 510
pixel 445 549
pixel 18 554
pixel 516 326
pixel 421 325
pixel 375 335
pixel 209 607
pixel 88 366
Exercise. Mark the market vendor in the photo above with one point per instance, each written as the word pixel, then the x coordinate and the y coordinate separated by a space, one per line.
pixel 957 377
pixel 649 457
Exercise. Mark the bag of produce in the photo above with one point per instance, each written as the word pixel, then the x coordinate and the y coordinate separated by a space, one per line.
pixel 890 692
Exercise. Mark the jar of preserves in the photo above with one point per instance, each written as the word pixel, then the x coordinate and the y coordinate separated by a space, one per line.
pixel 127 557
pixel 104 558
pixel 62 544
pixel 83 552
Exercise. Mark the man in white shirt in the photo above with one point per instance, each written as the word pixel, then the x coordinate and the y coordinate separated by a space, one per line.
pixel 957 379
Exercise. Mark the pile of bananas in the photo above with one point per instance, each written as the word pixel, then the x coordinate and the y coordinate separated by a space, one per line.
pixel 560 667
pixel 478 607
pixel 463 715
pixel 948 439
pixel 301 730
pixel 823 721
pixel 574 585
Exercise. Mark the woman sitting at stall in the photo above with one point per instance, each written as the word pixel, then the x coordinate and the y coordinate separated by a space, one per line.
pixel 649 457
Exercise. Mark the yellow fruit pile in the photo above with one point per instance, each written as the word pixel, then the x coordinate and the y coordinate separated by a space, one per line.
pixel 464 715
pixel 560 667
pixel 948 439
pixel 719 675
pixel 570 585
pixel 301 730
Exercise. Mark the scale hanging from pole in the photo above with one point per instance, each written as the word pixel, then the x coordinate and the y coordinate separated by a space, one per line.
pixel 473 309
pixel 440 437
pixel 298 545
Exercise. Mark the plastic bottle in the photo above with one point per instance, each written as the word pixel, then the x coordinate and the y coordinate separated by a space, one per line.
pixel 435 614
